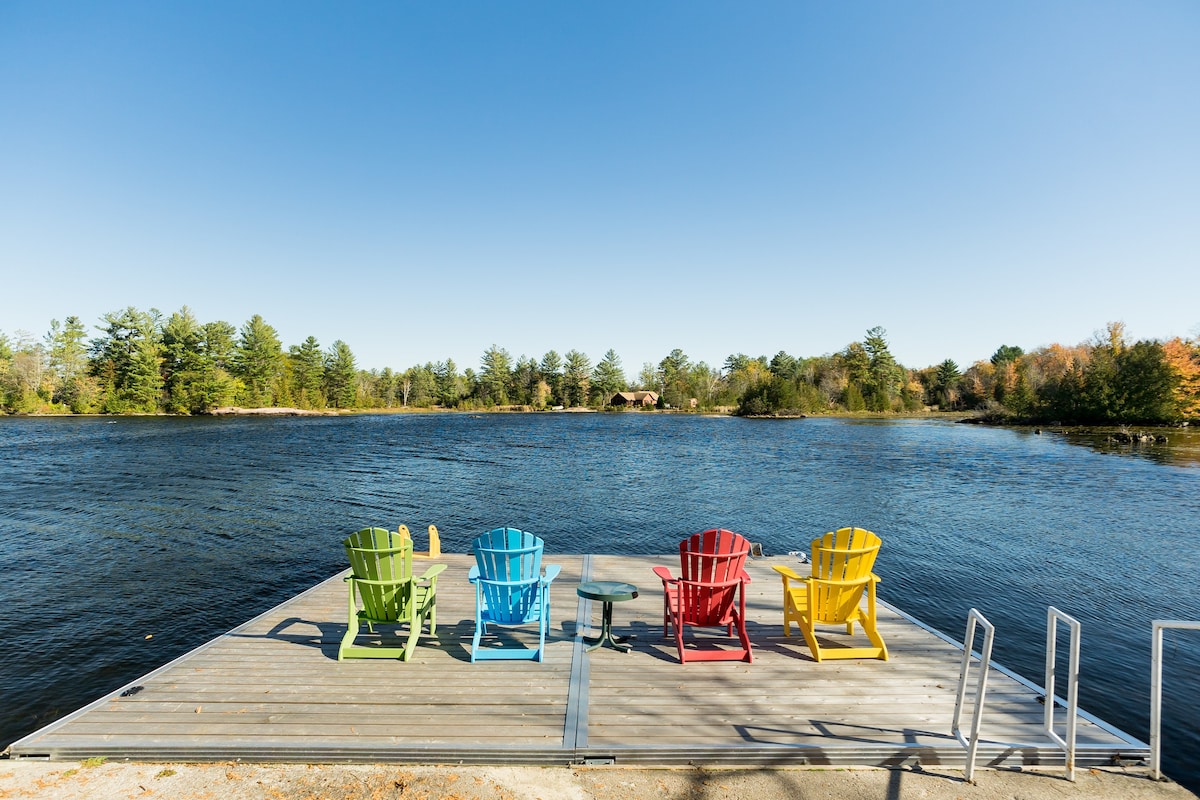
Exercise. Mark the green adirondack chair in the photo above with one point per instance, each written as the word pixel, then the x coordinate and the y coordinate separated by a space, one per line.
pixel 381 577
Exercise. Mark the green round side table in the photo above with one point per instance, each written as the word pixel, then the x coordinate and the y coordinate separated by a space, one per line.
pixel 607 592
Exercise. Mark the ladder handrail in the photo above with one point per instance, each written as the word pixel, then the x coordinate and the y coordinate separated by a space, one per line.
pixel 1156 628
pixel 1053 615
pixel 985 662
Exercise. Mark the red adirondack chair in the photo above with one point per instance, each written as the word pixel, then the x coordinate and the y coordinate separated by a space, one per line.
pixel 709 592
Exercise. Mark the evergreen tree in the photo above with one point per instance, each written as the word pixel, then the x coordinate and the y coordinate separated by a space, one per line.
pixel 608 378
pixel 576 378
pixel 422 383
pixel 380 388
pixel 784 365
pixel 68 363
pixel 340 374
pixel 525 381
pixel 551 371
pixel 308 373
pixel 183 363
pixel 944 386
pixel 1145 385
pixel 1096 397
pixel 736 363
pixel 1006 353
pixel 258 362
pixel 449 384
pixel 495 376
pixel 673 376
pixel 470 386
pixel 219 344
pixel 852 398
pixel 883 373
pixel 127 361
pixel 218 386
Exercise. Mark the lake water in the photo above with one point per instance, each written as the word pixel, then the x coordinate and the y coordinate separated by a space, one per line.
pixel 112 530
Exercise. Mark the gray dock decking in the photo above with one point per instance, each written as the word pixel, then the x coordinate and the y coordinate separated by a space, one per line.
pixel 272 690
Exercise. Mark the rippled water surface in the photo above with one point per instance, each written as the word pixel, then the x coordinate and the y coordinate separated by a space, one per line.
pixel 112 530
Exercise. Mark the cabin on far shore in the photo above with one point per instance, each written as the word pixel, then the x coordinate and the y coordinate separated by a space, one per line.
pixel 643 399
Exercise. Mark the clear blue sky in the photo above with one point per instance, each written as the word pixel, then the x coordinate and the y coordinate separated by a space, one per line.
pixel 422 180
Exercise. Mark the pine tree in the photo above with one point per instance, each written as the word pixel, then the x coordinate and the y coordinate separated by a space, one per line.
pixel 340 374
pixel 258 361
pixel 576 378
pixel 608 378
pixel 308 373
pixel 495 376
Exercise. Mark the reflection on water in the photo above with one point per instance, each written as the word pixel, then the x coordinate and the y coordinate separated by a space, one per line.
pixel 180 529
pixel 1181 447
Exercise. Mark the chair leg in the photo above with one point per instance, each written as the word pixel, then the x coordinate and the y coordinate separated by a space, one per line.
pixel 480 627
pixel 348 639
pixel 414 633
pixel 679 642
pixel 543 624
pixel 351 623
pixel 745 639
pixel 810 638
pixel 877 640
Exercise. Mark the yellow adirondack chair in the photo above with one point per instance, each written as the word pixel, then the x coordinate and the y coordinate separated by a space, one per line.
pixel 832 595
pixel 435 544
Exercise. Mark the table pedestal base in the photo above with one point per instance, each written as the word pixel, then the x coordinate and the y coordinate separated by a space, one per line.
pixel 606 636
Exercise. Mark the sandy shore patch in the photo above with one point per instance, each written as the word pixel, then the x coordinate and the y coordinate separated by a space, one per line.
pixel 22 780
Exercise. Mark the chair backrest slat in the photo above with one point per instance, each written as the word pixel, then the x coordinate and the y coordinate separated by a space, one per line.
pixel 511 556
pixel 376 554
pixel 711 564
pixel 847 554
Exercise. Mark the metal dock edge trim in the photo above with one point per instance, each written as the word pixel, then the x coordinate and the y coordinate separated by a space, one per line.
pixel 849 755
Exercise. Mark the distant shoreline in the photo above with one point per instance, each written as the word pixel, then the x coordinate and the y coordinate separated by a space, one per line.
pixel 945 416
pixel 268 411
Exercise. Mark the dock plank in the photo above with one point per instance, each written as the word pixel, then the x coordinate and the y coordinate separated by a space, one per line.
pixel 272 689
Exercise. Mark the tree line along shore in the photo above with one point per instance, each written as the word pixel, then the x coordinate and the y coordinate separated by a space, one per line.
pixel 144 362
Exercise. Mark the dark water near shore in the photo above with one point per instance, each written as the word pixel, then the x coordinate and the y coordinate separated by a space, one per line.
pixel 112 530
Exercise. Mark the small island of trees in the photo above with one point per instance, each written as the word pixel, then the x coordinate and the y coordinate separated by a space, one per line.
pixel 144 363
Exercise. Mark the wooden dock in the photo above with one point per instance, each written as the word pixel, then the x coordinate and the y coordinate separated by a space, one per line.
pixel 272 690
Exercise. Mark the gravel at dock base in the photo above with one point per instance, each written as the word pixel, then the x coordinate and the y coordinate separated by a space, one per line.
pixel 237 781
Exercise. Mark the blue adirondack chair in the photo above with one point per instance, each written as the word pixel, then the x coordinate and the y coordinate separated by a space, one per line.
pixel 511 588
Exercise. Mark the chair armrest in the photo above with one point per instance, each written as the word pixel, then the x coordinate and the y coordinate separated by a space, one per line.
pixel 433 571
pixel 374 582
pixel 745 577
pixel 831 582
pixel 665 574
pixel 523 582
pixel 788 572
pixel 473 575
pixel 549 573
